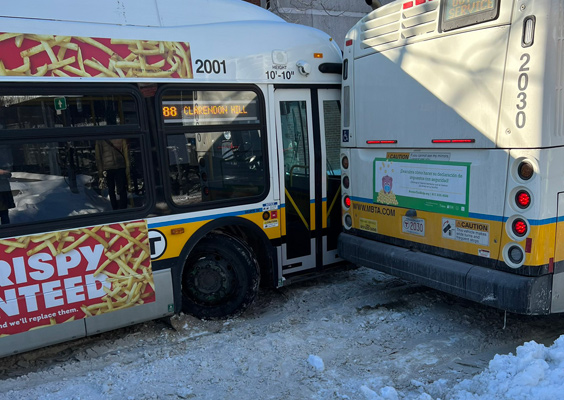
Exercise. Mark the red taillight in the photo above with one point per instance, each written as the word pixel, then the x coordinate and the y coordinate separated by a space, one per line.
pixel 347 201
pixel 381 141
pixel 349 42
pixel 453 140
pixel 523 199
pixel 519 227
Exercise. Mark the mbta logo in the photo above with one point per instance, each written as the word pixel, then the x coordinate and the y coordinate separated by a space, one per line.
pixel 157 243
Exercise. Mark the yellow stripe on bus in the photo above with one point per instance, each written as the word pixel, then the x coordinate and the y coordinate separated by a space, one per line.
pixel 387 221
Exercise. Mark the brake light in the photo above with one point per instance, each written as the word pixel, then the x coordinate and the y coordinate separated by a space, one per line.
pixel 347 201
pixel 523 199
pixel 453 140
pixel 381 141
pixel 519 227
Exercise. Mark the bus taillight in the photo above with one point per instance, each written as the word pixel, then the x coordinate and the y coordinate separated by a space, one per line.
pixel 347 221
pixel 346 182
pixel 523 199
pixel 345 162
pixel 515 254
pixel 519 227
pixel 525 170
pixel 347 202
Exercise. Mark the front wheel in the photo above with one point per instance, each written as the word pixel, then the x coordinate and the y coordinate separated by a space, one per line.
pixel 221 277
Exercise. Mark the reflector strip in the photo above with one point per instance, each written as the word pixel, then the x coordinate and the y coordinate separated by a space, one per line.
pixel 407 5
pixel 349 42
pixel 528 245
pixel 381 141
pixel 453 140
pixel 419 2
pixel 551 265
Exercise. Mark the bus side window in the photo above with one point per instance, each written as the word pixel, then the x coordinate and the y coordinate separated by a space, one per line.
pixel 57 180
pixel 212 166
pixel 6 195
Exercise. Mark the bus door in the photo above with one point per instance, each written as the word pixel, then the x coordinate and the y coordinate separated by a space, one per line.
pixel 329 105
pixel 300 122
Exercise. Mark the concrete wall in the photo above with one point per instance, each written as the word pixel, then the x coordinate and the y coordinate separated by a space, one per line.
pixel 334 17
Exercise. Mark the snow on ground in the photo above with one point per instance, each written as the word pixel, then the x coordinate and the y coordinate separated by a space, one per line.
pixel 354 334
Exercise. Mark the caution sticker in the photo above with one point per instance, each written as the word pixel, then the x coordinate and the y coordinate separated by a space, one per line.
pixel 466 231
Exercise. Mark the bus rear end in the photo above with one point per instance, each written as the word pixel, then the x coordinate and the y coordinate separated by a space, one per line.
pixel 452 148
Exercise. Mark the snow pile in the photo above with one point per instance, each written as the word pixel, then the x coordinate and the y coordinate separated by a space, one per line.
pixel 352 335
pixel 535 372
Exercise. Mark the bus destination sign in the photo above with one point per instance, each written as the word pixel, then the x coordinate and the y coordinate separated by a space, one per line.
pixel 209 112
pixel 460 13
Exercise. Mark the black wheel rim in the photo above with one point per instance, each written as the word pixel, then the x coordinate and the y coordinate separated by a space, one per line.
pixel 210 281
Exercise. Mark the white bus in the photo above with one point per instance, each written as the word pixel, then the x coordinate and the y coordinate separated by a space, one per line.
pixel 158 157
pixel 453 145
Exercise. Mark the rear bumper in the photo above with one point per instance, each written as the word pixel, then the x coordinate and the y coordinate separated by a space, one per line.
pixel 506 291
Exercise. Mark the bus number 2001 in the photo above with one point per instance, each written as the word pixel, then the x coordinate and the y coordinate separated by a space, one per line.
pixel 210 67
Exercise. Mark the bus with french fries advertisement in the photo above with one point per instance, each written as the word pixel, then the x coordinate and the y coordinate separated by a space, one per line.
pixel 156 162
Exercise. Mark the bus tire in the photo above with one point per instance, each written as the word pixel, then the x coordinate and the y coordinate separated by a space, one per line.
pixel 220 279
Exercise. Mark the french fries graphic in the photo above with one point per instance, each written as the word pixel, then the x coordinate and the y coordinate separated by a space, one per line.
pixel 71 56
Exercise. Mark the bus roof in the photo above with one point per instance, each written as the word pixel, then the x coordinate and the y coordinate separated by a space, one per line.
pixel 159 40
pixel 155 13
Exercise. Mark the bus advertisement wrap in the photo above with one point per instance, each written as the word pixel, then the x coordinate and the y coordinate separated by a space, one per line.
pixel 425 185
pixel 74 56
pixel 65 276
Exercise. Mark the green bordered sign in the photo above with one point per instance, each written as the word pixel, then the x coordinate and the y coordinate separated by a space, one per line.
pixel 435 186
pixel 60 103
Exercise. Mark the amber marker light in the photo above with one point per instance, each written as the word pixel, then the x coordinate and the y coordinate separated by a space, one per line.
pixel 525 170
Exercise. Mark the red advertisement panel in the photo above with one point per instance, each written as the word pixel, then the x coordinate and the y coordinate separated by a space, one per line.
pixel 64 276
pixel 75 56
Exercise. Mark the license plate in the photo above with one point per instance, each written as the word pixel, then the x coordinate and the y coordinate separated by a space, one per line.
pixel 414 226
